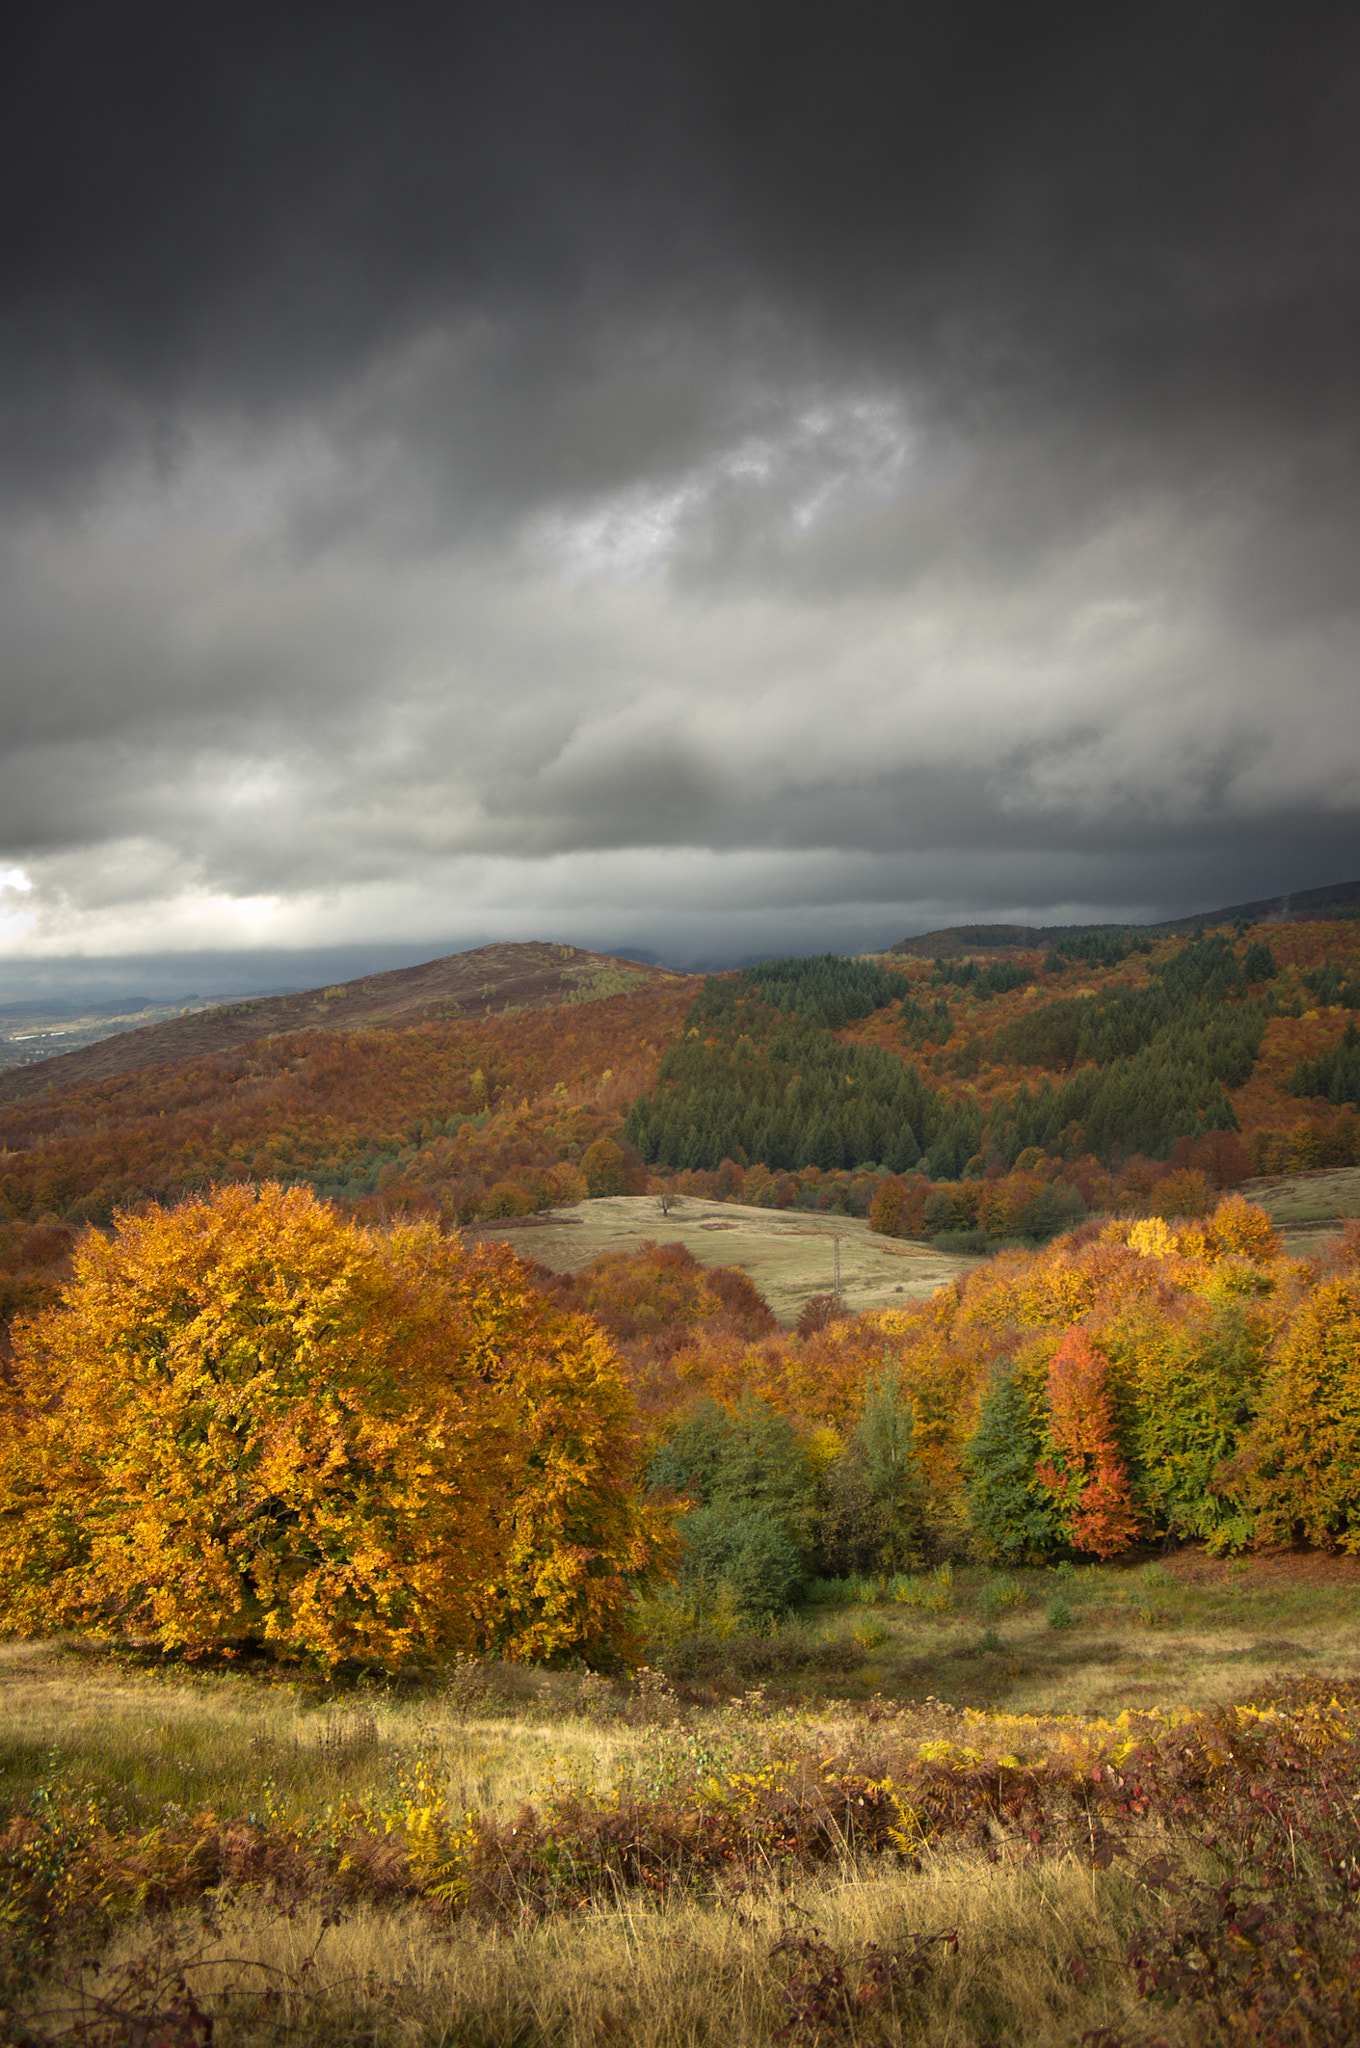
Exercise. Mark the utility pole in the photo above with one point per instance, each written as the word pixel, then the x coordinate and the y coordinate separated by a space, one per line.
pixel 837 1244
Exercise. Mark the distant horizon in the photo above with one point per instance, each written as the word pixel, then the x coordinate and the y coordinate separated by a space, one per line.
pixel 685 480
pixel 219 974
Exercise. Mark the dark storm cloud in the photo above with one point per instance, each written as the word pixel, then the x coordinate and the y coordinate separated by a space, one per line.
pixel 684 470
pixel 1149 210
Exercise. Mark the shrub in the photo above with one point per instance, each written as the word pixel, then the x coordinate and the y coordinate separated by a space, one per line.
pixel 999 1596
pixel 746 1553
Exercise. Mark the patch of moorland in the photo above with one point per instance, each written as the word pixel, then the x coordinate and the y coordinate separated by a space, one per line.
pixel 503 1855
pixel 921 1797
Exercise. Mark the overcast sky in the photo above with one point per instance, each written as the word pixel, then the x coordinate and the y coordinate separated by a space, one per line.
pixel 665 476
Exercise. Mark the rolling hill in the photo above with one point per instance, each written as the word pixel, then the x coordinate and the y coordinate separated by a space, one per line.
pixel 489 981
pixel 990 1099
pixel 1304 906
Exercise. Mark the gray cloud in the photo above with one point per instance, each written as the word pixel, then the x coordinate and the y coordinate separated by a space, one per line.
pixel 672 473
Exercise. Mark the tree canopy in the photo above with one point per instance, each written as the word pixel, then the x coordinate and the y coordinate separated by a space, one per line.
pixel 248 1419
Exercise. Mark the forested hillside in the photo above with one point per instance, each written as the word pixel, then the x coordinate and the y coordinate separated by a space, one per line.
pixel 982 1101
pixel 1108 1064
pixel 1135 1379
pixel 451 1119
pixel 489 981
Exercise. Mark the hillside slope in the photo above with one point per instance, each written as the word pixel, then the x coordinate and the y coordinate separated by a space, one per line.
pixel 967 1104
pixel 489 981
pixel 1304 906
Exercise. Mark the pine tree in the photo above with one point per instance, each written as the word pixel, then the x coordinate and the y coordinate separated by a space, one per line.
pixel 1007 1507
pixel 885 1445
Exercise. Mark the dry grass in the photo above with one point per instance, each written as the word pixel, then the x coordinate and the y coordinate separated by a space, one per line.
pixel 678 1974
pixel 789 1253
pixel 234 1745
pixel 684 1970
pixel 1188 1630
pixel 752 1950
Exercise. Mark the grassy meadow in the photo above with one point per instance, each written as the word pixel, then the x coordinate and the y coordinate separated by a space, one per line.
pixel 1306 1208
pixel 944 1809
pixel 790 1255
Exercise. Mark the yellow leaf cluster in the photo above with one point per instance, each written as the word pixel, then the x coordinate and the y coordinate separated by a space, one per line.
pixel 248 1419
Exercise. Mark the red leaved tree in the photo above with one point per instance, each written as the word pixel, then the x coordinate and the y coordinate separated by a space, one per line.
pixel 1087 1476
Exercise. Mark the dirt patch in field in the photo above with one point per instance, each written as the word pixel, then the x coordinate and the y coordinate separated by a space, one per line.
pixel 789 1254
pixel 1267 1568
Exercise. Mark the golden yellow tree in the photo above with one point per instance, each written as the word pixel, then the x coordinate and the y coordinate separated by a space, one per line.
pixel 1302 1467
pixel 248 1419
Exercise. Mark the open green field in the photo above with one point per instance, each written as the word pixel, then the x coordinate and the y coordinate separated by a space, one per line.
pixel 1094 1640
pixel 790 1254
pixel 944 1811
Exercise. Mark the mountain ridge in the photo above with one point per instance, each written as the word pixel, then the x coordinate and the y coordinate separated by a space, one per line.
pixel 485 981
pixel 537 974
pixel 1302 906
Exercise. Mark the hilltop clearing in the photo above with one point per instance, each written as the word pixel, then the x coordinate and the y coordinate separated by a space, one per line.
pixel 1308 1207
pixel 790 1255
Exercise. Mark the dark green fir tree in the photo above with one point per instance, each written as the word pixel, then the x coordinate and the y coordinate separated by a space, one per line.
pixel 1006 1507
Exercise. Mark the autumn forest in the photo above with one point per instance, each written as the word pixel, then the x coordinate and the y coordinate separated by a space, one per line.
pixel 1127 1364
pixel 397 1622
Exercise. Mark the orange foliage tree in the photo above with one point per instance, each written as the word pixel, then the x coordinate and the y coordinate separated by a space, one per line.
pixel 680 1328
pixel 602 1167
pixel 248 1419
pixel 1087 1478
